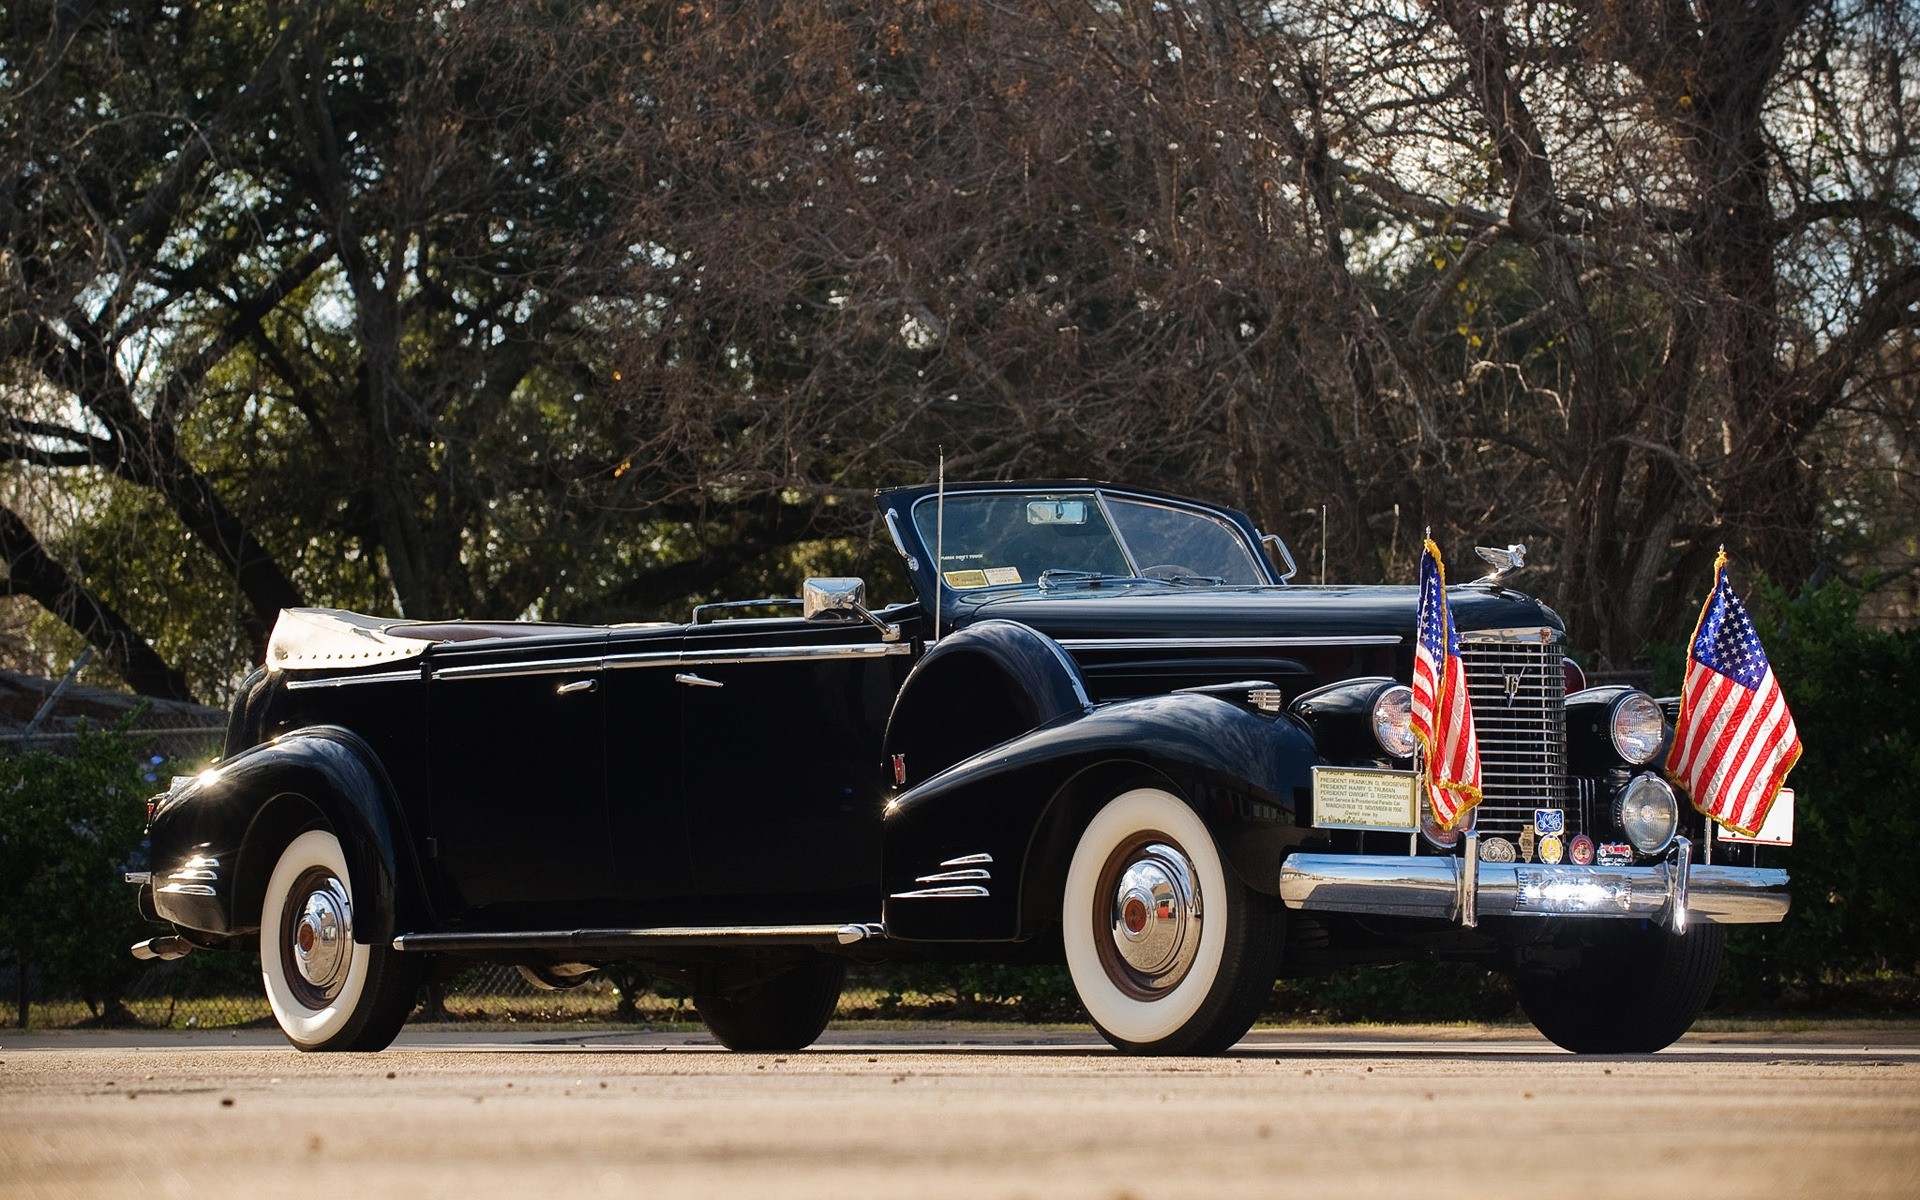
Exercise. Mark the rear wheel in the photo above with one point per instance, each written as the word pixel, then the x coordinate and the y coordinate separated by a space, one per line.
pixel 1169 951
pixel 769 1013
pixel 1636 990
pixel 327 991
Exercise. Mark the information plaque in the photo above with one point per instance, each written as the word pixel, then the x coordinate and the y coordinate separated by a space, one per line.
pixel 1364 798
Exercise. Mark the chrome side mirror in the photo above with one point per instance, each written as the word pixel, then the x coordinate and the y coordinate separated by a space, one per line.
pixel 822 598
pixel 832 596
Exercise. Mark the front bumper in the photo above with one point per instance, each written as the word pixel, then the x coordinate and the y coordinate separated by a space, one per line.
pixel 1672 892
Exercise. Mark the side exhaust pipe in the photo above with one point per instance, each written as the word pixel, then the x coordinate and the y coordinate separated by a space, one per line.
pixel 167 948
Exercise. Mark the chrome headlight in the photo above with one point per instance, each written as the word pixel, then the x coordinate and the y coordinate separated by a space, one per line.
pixel 1637 728
pixel 1393 721
pixel 1647 813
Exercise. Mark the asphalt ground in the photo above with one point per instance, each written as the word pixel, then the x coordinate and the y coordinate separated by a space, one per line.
pixel 928 1113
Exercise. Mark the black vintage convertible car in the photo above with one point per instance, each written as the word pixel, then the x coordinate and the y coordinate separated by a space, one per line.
pixel 1107 732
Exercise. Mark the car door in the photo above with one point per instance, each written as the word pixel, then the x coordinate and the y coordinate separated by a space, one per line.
pixel 653 868
pixel 516 735
pixel 782 778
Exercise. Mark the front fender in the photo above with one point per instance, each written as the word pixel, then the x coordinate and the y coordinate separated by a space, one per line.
pixel 215 839
pixel 1013 813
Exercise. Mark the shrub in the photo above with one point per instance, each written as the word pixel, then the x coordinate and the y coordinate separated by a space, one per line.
pixel 67 825
pixel 1855 696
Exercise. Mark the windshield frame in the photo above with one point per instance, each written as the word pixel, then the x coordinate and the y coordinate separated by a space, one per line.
pixel 1248 538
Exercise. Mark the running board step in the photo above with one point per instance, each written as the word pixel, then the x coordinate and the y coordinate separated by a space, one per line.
pixel 634 939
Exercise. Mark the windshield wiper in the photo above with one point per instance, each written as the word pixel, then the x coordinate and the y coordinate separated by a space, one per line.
pixel 1054 577
pixel 1184 580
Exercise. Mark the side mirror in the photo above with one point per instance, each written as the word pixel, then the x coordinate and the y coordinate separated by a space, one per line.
pixel 824 597
pixel 832 596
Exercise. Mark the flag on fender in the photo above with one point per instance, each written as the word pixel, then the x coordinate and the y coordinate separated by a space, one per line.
pixel 1735 740
pixel 1442 710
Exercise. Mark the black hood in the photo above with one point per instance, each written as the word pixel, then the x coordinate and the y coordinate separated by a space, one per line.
pixel 1159 611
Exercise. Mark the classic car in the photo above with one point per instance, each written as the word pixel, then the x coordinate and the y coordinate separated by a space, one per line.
pixel 1108 731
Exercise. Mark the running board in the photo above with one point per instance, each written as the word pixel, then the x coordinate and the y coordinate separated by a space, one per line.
pixel 640 939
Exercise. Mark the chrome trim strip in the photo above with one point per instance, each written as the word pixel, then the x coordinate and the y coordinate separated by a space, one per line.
pixel 966 891
pixel 1230 643
pixel 1533 635
pixel 642 658
pixel 294 685
pixel 794 653
pixel 954 876
pixel 541 666
pixel 615 939
pixel 969 860
pixel 664 658
pixel 1386 885
pixel 187 889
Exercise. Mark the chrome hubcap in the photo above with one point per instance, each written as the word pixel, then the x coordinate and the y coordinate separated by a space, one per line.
pixel 322 941
pixel 1155 920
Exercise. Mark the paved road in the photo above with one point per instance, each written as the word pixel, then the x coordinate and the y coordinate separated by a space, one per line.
pixel 934 1114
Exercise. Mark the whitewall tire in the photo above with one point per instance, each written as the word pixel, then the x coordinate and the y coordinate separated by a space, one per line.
pixel 1169 952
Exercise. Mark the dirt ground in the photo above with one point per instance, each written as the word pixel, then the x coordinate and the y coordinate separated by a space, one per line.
pixel 928 1114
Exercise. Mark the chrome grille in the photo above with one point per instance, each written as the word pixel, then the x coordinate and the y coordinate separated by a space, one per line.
pixel 1520 715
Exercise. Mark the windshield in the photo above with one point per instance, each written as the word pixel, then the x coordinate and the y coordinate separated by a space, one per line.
pixel 998 538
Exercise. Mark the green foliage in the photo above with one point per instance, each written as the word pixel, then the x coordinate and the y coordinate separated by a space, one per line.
pixel 67 825
pixel 1855 695
pixel 973 990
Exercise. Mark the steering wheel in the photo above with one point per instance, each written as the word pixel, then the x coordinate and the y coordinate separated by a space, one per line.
pixel 1169 572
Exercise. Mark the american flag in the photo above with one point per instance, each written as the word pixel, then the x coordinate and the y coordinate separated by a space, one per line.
pixel 1735 741
pixel 1442 711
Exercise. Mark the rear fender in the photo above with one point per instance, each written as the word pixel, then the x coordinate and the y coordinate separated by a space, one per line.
pixel 216 839
pixel 980 850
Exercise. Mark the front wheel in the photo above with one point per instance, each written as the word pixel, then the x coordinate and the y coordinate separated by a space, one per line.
pixel 770 1013
pixel 327 991
pixel 1169 952
pixel 1636 989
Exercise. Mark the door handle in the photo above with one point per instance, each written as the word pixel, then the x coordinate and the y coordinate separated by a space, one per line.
pixel 696 681
pixel 576 685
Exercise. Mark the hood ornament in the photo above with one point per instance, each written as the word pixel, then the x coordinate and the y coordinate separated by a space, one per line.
pixel 1505 563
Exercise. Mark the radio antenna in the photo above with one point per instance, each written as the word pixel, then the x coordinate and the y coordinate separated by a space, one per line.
pixel 939 540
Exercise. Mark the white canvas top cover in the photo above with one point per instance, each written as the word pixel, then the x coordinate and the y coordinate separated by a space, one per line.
pixel 309 638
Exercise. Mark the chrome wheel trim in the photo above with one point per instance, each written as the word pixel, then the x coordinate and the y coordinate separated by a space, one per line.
pixel 1153 918
pixel 320 943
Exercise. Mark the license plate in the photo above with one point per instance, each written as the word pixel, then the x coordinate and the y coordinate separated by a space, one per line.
pixel 1361 798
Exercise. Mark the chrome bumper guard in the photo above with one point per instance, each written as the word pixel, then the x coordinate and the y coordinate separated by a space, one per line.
pixel 1673 892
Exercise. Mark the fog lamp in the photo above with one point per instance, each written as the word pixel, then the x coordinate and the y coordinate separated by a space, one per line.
pixel 1647 813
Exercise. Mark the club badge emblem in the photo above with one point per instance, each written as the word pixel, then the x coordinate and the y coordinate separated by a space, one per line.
pixel 1551 850
pixel 1496 850
pixel 1580 850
